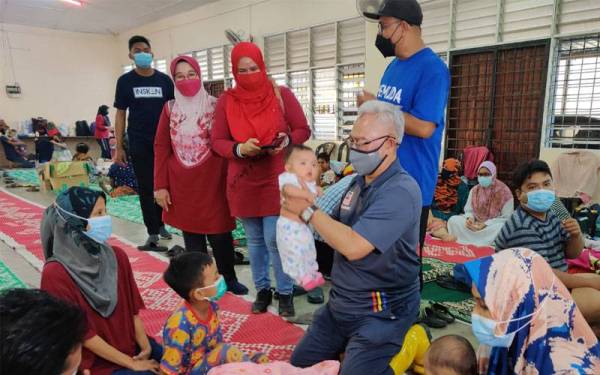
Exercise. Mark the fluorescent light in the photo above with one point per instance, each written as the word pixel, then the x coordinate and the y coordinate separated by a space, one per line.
pixel 74 2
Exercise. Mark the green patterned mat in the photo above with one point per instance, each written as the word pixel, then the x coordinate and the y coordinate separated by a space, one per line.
pixel 24 176
pixel 125 207
pixel 459 303
pixel 8 280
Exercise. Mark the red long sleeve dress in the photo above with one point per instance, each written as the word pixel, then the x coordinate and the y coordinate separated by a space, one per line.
pixel 198 200
pixel 252 183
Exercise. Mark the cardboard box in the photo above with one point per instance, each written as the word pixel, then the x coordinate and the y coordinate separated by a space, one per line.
pixel 62 175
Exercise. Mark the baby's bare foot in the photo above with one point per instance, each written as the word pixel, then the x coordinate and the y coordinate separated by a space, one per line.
pixel 448 238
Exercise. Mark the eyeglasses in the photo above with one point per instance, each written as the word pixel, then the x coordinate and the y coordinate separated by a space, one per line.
pixel 352 143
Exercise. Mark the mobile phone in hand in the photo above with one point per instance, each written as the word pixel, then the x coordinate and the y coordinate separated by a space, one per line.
pixel 276 143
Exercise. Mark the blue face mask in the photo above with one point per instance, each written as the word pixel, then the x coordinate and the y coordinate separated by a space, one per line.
pixel 100 228
pixel 484 329
pixel 540 200
pixel 143 60
pixel 485 181
pixel 221 287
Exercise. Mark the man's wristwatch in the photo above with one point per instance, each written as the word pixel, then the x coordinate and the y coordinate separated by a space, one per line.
pixel 307 214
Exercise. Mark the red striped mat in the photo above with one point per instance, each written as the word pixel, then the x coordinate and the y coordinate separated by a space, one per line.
pixel 268 333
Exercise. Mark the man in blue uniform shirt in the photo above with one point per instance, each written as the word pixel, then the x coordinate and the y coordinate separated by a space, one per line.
pixel 375 295
pixel 418 81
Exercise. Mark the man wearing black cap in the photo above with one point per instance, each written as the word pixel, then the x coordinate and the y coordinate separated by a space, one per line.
pixel 418 81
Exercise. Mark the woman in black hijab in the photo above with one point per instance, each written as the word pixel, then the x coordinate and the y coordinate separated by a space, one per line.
pixel 84 269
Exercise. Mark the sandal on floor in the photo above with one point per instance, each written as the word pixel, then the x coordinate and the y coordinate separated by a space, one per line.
pixel 442 312
pixel 449 282
pixel 431 319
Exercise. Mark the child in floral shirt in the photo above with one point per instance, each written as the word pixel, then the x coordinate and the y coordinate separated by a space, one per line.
pixel 192 338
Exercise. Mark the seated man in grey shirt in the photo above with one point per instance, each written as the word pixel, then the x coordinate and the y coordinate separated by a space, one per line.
pixel 535 226
pixel 375 231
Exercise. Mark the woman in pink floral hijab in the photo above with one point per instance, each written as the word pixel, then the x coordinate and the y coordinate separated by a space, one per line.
pixel 189 177
pixel 525 319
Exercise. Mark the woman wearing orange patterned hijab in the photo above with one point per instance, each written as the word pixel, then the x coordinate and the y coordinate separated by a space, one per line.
pixel 525 319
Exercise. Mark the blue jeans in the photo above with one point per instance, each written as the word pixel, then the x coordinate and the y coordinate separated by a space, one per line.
pixel 157 352
pixel 262 246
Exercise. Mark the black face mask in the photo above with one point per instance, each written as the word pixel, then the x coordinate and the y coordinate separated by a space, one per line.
pixel 385 46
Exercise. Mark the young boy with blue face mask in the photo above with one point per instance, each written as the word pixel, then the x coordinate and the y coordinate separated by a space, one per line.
pixel 535 226
pixel 192 337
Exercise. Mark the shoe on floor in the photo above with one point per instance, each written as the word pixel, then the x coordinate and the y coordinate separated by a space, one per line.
pixel 152 244
pixel 286 305
pixel 239 258
pixel 442 312
pixel 165 234
pixel 431 319
pixel 236 287
pixel 298 291
pixel 263 300
pixel 315 296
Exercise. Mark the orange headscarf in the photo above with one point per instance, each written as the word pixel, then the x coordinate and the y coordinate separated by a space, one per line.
pixel 253 110
pixel 446 194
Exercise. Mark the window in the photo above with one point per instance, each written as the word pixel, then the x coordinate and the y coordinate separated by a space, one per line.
pixel 202 58
pixel 161 65
pixel 575 104
pixel 324 104
pixel 300 84
pixel 324 67
pixel 279 79
pixel 351 83
pixel 215 67
pixel 216 63
pixel 497 100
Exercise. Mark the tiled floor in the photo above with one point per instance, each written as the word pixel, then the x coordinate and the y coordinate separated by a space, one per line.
pixel 137 234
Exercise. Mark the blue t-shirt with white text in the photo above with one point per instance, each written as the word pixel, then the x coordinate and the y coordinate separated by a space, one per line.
pixel 420 86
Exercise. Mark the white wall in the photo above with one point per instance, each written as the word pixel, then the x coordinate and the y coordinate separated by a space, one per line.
pixel 64 76
pixel 204 27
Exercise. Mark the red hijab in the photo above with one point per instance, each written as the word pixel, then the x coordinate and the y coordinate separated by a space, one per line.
pixel 253 110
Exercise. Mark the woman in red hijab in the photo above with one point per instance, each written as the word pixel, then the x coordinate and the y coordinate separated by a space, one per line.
pixel 254 123
pixel 188 177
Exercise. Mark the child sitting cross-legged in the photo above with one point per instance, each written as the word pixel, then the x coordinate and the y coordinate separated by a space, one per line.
pixel 192 338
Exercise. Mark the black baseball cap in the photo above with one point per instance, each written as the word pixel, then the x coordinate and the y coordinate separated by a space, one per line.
pixel 406 10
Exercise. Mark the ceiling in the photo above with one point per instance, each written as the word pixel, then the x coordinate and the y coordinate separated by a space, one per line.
pixel 95 16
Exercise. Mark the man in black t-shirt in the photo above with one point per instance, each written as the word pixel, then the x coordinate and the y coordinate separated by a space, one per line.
pixel 143 91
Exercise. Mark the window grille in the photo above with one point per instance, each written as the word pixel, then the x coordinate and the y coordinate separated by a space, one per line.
pixel 575 102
